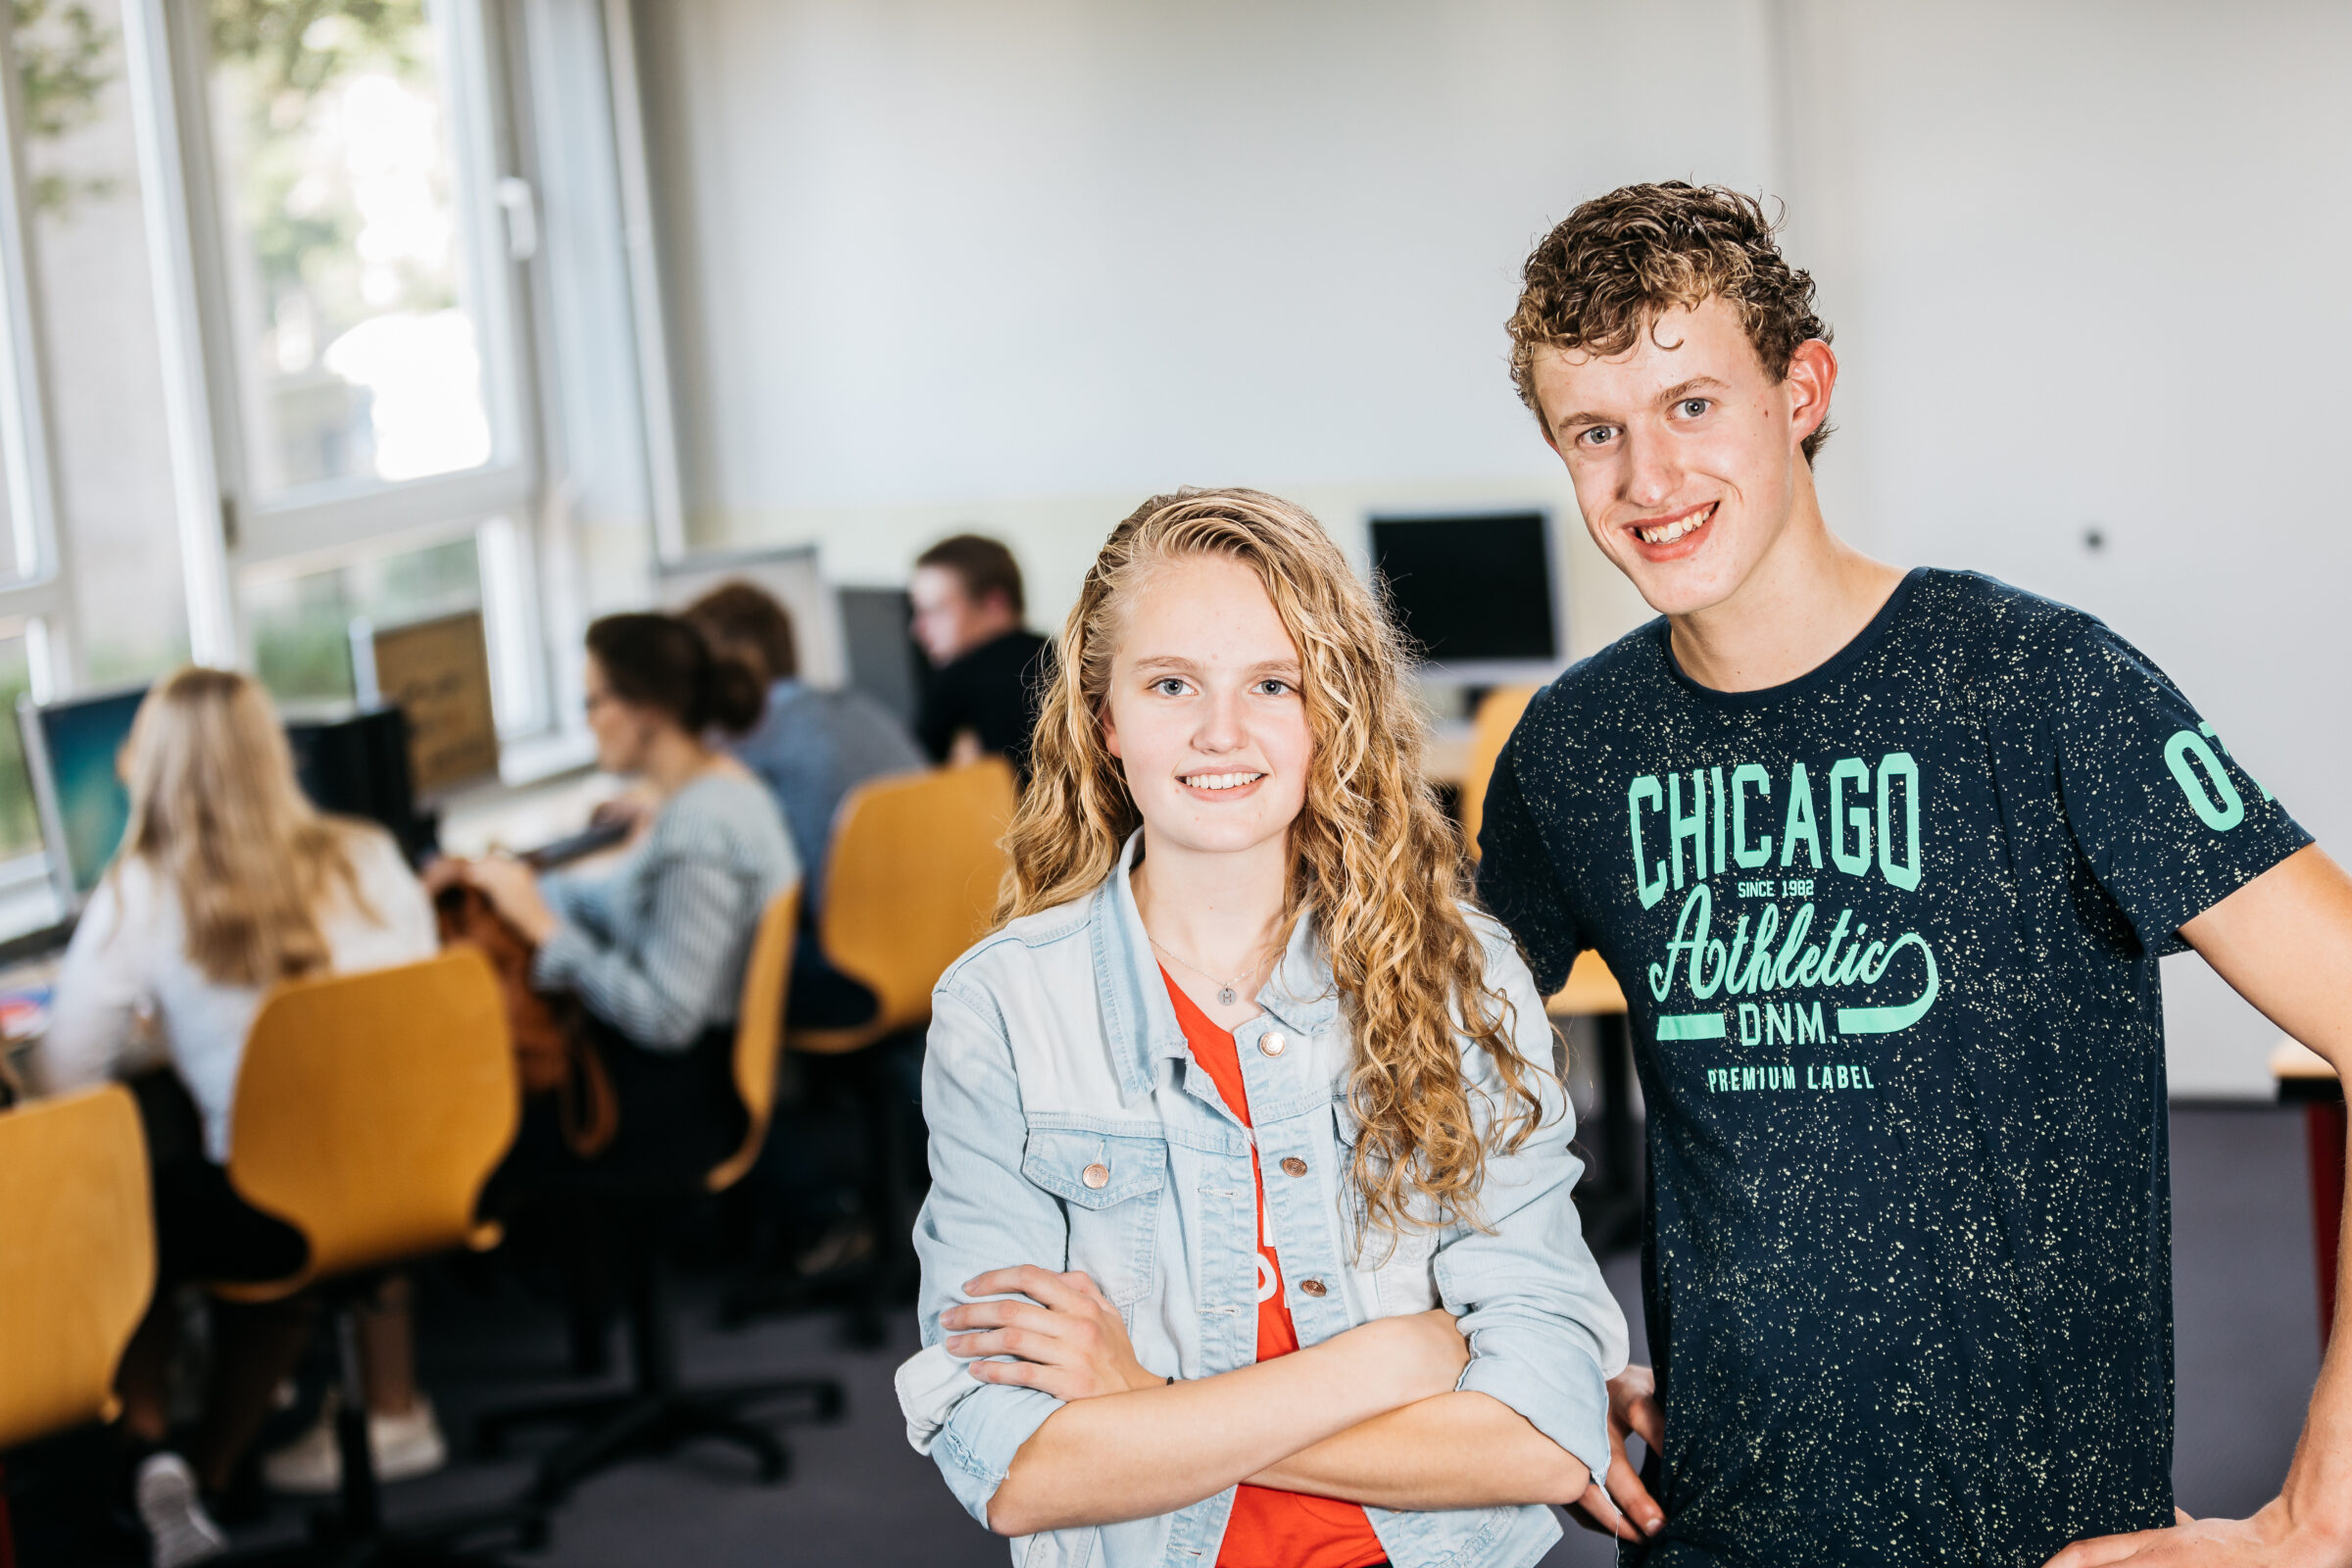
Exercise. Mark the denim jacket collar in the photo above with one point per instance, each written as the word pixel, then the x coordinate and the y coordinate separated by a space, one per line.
pixel 1300 992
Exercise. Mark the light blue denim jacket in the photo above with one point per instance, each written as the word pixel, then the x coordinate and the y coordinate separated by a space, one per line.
pixel 1055 1048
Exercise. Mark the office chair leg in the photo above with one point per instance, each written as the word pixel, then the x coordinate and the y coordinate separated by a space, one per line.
pixel 354 1536
pixel 362 1499
pixel 656 1415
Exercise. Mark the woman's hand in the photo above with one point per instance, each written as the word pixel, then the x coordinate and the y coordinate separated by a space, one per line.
pixel 1070 1341
pixel 442 873
pixel 513 890
pixel 1425 1352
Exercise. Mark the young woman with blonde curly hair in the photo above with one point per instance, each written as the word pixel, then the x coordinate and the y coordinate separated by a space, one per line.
pixel 1249 1238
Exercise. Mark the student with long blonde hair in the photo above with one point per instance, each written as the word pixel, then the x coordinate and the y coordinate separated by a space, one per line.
pixel 1250 1239
pixel 227 882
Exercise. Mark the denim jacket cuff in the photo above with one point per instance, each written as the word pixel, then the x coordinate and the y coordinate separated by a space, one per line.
pixel 1567 1401
pixel 983 1433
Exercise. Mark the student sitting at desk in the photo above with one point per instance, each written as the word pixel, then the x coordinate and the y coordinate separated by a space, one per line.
pixel 810 748
pixel 987 669
pixel 655 946
pixel 227 880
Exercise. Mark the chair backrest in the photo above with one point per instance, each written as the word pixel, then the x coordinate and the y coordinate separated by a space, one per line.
pixel 759 1029
pixel 910 882
pixel 371 1108
pixel 1490 727
pixel 76 1257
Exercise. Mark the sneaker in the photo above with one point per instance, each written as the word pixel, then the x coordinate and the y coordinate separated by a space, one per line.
pixel 403 1446
pixel 178 1530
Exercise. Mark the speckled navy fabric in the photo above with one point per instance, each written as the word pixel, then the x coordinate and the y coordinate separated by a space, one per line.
pixel 1889 936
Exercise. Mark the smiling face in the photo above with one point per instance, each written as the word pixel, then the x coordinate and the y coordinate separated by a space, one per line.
pixel 1685 451
pixel 1204 710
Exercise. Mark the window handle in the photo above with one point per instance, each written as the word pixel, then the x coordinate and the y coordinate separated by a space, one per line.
pixel 520 204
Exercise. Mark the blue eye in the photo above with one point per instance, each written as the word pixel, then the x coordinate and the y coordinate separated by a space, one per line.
pixel 1169 686
pixel 1271 687
pixel 1693 408
pixel 1596 436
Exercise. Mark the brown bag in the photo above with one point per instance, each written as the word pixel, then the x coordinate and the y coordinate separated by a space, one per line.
pixel 552 1052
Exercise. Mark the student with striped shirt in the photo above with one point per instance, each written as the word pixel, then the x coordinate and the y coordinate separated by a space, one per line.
pixel 655 946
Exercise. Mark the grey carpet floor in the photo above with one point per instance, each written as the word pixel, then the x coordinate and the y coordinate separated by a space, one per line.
pixel 2246 1343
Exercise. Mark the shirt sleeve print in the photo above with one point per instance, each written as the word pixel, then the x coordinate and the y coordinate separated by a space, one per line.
pixel 2171 822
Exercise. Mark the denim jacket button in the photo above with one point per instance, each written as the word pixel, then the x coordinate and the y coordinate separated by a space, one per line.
pixel 1293 1166
pixel 1271 1042
pixel 1096 1176
pixel 1311 1286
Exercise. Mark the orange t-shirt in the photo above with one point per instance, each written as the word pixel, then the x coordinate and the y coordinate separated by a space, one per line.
pixel 1271 1529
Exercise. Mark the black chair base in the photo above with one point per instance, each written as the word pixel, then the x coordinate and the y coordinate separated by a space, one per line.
pixel 354 1534
pixel 619 1427
pixel 429 1546
pixel 657 1414
pixel 869 1293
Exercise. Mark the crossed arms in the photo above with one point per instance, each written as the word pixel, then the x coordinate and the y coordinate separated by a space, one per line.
pixel 1370 1416
pixel 1477 1406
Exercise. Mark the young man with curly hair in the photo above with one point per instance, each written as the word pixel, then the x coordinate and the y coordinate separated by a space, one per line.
pixel 1885 861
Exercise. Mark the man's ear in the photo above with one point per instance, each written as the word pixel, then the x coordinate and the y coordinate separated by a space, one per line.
pixel 1812 376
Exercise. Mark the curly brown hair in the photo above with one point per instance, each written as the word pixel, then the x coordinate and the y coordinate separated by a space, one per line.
pixel 1374 863
pixel 1618 262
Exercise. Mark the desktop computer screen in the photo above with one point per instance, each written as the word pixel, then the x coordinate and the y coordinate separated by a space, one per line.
pixel 1471 591
pixel 351 762
pixel 70 750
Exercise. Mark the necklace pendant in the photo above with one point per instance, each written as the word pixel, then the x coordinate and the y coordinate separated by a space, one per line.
pixel 1225 996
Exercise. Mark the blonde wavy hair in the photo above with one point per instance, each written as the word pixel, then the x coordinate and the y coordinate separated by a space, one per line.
pixel 217 813
pixel 1375 863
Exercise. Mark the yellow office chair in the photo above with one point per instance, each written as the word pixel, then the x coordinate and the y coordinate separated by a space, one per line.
pixel 657 1414
pixel 370 1111
pixel 1491 727
pixel 910 883
pixel 1612 1199
pixel 76 1258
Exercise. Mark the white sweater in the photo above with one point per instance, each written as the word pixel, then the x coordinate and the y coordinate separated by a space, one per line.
pixel 129 959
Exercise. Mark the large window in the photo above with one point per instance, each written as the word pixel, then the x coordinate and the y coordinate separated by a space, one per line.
pixel 363 299
pixel 354 317
pixel 268 273
pixel 95 313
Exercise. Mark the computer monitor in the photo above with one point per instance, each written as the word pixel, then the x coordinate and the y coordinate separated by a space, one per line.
pixel 69 752
pixel 1474 592
pixel 885 662
pixel 351 762
pixel 356 761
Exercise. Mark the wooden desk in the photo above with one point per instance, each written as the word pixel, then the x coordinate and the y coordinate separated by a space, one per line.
pixel 2305 1078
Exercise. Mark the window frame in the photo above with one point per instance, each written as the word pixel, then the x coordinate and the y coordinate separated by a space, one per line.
pixel 229 530
pixel 34 603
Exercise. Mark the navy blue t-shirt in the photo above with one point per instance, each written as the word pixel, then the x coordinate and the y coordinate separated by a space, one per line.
pixel 1888 933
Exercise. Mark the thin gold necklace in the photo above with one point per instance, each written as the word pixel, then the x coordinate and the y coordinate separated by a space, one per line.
pixel 1227 994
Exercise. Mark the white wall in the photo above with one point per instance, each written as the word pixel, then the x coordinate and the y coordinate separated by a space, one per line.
pixel 1023 263
pixel 2087 268
pixel 938 263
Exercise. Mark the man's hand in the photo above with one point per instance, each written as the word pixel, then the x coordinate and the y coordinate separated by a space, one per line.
pixel 2269 1540
pixel 1625 1508
pixel 1070 1341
